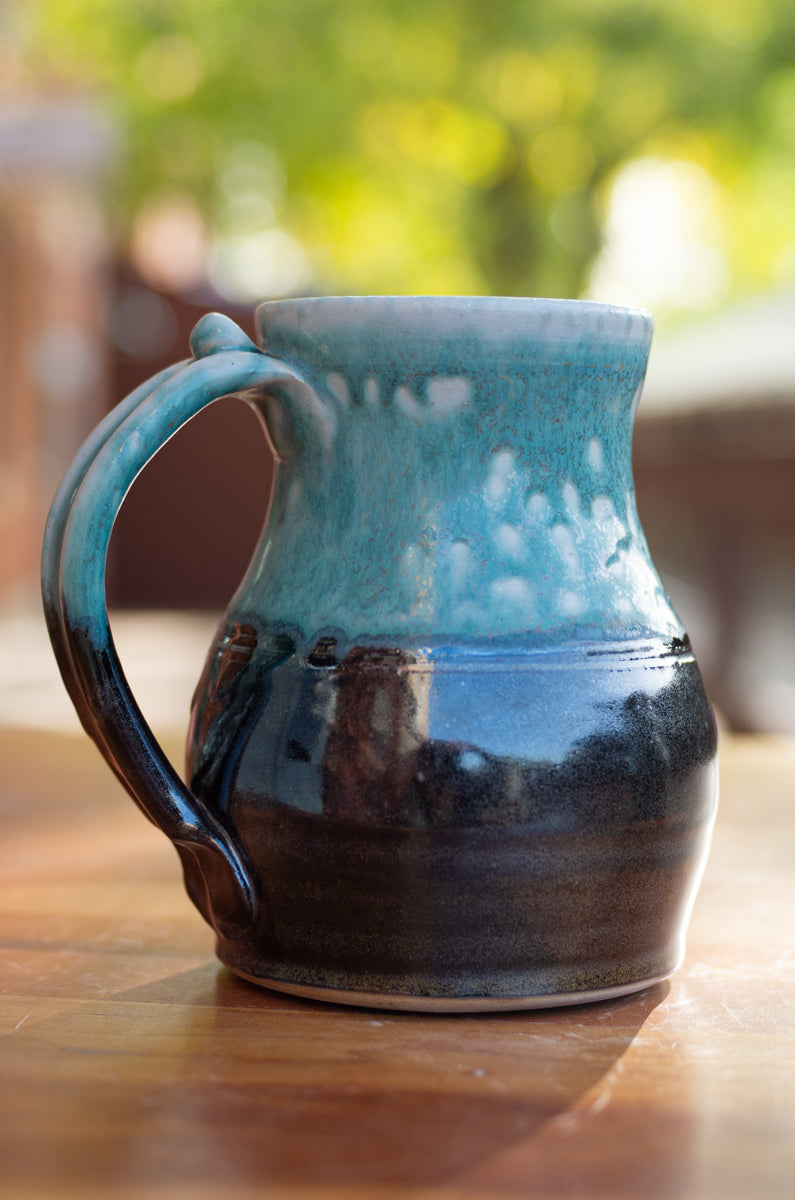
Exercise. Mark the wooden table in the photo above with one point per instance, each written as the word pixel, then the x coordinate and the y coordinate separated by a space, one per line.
pixel 133 1066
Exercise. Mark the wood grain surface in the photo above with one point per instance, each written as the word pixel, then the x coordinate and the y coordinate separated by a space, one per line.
pixel 133 1066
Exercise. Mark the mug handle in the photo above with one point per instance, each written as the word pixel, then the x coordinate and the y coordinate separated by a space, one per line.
pixel 225 362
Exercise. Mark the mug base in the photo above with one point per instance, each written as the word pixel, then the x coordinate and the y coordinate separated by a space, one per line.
pixel 449 1004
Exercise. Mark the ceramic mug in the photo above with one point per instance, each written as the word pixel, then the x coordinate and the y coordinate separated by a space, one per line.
pixel 451 749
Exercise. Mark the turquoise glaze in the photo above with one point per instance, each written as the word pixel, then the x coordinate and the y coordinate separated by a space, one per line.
pixel 450 748
pixel 469 463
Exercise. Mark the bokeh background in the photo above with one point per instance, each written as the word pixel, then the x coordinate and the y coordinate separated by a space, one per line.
pixel 158 159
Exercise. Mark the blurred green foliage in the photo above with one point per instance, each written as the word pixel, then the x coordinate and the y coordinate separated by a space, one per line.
pixel 439 145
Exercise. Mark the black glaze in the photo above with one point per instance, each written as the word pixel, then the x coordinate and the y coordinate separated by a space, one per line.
pixel 557 851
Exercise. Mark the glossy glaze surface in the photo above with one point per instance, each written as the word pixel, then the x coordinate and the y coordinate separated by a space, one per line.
pixel 466 823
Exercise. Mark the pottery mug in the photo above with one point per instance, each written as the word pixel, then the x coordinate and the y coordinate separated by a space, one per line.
pixel 451 749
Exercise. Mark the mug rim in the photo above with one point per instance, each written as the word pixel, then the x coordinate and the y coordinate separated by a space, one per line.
pixel 548 319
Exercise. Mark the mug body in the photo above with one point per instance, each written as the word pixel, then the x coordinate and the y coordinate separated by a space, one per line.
pixel 450 719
